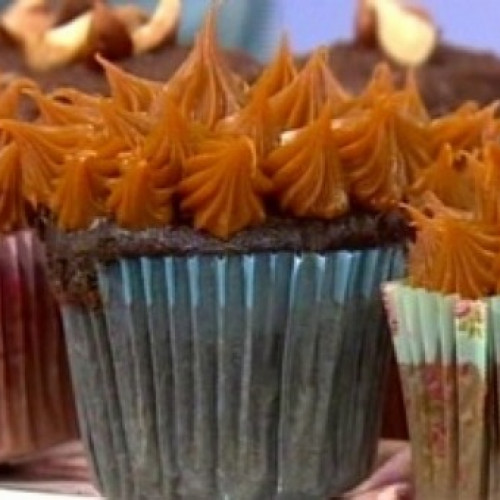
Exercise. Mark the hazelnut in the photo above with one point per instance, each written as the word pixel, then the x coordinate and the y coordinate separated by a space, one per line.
pixel 406 33
pixel 161 27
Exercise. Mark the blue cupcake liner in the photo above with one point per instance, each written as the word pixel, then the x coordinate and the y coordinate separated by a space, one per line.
pixel 238 377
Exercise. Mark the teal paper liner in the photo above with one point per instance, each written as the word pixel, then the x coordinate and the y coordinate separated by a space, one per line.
pixel 236 377
pixel 447 349
pixel 36 399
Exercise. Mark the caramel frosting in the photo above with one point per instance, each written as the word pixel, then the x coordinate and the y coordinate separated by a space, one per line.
pixel 141 196
pixel 465 128
pixel 129 127
pixel 280 72
pixel 56 112
pixel 43 150
pixel 488 185
pixel 128 91
pixel 81 189
pixel 10 96
pixel 453 255
pixel 307 174
pixel 222 186
pixel 204 149
pixel 204 86
pixel 451 177
pixel 255 120
pixel 384 151
pixel 381 83
pixel 302 100
pixel 12 198
pixel 412 99
pixel 172 139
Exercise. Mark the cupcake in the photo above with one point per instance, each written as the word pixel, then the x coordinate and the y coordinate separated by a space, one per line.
pixel 217 251
pixel 404 35
pixel 37 409
pixel 56 47
pixel 444 323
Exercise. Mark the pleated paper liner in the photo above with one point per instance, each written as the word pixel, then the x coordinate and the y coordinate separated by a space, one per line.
pixel 36 400
pixel 237 377
pixel 443 345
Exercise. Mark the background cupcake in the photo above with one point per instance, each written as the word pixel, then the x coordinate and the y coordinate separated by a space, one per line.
pixel 445 330
pixel 37 409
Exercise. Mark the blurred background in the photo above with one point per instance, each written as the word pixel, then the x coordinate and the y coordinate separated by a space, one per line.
pixel 256 24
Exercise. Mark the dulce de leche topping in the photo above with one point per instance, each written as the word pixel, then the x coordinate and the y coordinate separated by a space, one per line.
pixel 256 120
pixel 384 150
pixel 222 186
pixel 280 72
pixel 204 86
pixel 141 196
pixel 43 150
pixel 56 112
pixel 464 129
pixel 302 100
pixel 453 255
pixel 129 91
pixel 81 189
pixel 488 185
pixel 451 178
pixel 307 173
pixel 207 150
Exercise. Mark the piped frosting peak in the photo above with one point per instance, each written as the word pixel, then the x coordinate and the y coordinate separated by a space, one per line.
pixel 280 72
pixel 301 101
pixel 451 177
pixel 222 186
pixel 453 255
pixel 307 174
pixel 204 86
pixel 384 151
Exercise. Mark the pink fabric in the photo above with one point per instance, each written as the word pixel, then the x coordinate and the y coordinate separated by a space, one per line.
pixel 64 470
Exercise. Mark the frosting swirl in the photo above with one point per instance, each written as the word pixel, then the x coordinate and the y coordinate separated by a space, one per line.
pixel 54 112
pixel 130 127
pixel 141 196
pixel 43 150
pixel 171 140
pixel 412 99
pixel 10 96
pixel 307 174
pixel 488 185
pixel 81 190
pixel 302 100
pixel 255 120
pixel 464 129
pixel 129 91
pixel 384 150
pixel 204 87
pixel 439 264
pixel 451 177
pixel 280 72
pixel 222 186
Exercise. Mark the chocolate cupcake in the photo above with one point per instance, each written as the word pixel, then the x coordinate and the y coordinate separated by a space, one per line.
pixel 217 252
pixel 57 47
pixel 392 31
pixel 445 327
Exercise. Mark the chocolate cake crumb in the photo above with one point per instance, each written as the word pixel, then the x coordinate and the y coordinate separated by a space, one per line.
pixel 74 255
